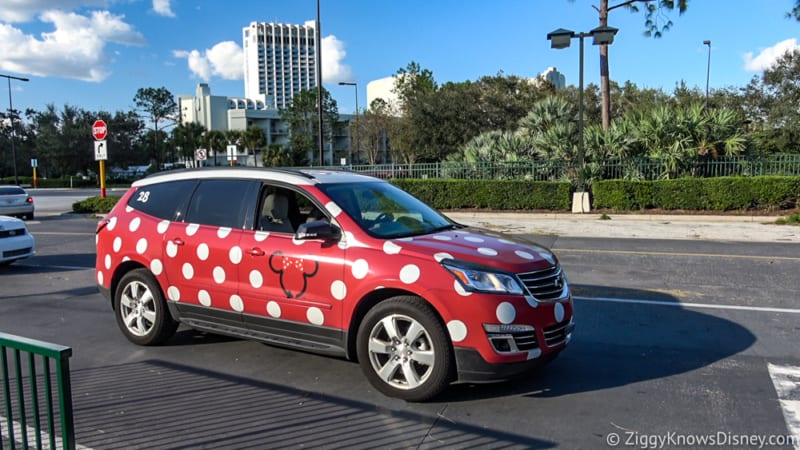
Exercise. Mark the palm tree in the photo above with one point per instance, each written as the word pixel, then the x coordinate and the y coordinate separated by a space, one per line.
pixel 215 141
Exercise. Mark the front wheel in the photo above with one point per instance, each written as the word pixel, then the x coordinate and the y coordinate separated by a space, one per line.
pixel 403 349
pixel 141 310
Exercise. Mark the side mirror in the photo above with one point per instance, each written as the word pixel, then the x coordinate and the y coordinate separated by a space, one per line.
pixel 319 229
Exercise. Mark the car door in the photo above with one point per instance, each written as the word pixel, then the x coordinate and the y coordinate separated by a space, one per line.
pixel 202 252
pixel 291 287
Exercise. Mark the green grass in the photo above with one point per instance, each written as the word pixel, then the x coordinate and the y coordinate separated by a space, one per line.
pixel 793 219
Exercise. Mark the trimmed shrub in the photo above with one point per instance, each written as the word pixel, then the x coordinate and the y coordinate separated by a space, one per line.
pixel 95 205
pixel 492 194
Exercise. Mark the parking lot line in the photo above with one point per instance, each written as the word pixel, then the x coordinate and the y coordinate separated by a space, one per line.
pixel 786 380
pixel 689 305
pixel 31 435
pixel 704 255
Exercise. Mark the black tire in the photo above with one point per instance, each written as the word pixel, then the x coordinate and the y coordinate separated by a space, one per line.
pixel 29 216
pixel 415 365
pixel 141 310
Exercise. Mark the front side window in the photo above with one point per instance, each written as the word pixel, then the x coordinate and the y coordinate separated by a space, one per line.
pixel 219 203
pixel 163 200
pixel 386 211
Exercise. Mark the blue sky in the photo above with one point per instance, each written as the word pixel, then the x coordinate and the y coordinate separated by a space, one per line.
pixel 95 54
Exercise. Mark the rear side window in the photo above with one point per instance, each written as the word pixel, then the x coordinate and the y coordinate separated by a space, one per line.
pixel 220 203
pixel 11 191
pixel 163 200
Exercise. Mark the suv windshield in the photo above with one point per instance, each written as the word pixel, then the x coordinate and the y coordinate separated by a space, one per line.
pixel 385 211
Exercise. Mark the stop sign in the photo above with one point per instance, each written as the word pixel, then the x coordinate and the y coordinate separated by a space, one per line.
pixel 99 130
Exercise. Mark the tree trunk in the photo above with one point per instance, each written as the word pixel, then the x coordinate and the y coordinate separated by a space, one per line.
pixel 605 84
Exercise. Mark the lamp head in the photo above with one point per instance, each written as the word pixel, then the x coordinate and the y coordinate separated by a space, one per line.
pixel 603 35
pixel 560 38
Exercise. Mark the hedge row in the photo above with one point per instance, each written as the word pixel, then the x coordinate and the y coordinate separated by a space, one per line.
pixel 51 182
pixel 493 194
pixel 712 194
pixel 95 205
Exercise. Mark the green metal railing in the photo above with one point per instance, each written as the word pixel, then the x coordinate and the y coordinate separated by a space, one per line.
pixel 27 398
pixel 608 169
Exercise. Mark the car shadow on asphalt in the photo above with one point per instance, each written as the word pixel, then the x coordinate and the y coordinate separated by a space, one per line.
pixel 618 343
pixel 156 404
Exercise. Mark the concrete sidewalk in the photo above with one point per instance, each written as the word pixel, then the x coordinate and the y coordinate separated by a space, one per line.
pixel 640 226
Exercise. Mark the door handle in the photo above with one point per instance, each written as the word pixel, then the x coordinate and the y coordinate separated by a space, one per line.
pixel 178 241
pixel 255 251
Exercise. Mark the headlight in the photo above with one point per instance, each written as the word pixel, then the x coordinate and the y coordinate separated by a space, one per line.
pixel 485 281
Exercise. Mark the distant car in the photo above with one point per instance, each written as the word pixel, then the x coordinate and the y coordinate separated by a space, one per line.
pixel 15 241
pixel 14 201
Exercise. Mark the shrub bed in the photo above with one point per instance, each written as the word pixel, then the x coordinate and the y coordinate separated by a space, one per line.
pixel 712 194
pixel 95 204
pixel 492 194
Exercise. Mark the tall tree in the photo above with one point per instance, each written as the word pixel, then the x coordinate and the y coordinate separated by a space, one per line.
pixel 301 115
pixel 158 105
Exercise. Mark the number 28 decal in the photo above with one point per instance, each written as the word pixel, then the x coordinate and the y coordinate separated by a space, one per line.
pixel 143 197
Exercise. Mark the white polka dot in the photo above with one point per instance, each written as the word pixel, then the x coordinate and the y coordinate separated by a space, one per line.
pixel 223 232
pixel 409 274
pixel 523 254
pixel 108 262
pixel 219 275
pixel 505 241
pixel 406 239
pixel 360 269
pixel 141 246
pixel 192 229
pixel 442 237
pixel 439 257
pixel 128 209
pixel 173 294
pixel 125 259
pixel 390 248
pixel 338 290
pixel 473 239
pixel 172 249
pixel 457 330
pixel 261 236
pixel 333 208
pixel 506 312
pixel 236 303
pixel 296 241
pixel 531 301
pixel 559 312
pixel 117 244
pixel 156 267
pixel 96 239
pixel 274 309
pixel 460 289
pixel 99 277
pixel 162 226
pixel 204 297
pixel 548 256
pixel 112 223
pixel 235 255
pixel 134 225
pixel 487 251
pixel 256 279
pixel 188 271
pixel 202 251
pixel 314 315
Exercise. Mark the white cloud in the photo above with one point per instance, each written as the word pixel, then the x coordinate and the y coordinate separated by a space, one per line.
pixel 163 8
pixel 14 11
pixel 75 48
pixel 225 60
pixel 333 54
pixel 768 56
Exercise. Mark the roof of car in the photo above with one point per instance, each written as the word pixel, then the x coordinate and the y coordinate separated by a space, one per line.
pixel 292 176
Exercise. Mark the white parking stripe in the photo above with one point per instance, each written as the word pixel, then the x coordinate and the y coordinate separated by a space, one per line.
pixel 689 305
pixel 786 380
pixel 31 431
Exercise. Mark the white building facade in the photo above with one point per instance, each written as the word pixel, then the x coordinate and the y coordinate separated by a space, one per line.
pixel 279 61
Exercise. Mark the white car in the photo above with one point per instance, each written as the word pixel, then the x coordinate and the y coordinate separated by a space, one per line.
pixel 14 201
pixel 15 241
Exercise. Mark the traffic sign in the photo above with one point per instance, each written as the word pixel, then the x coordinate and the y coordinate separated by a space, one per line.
pixel 201 154
pixel 100 150
pixel 99 130
pixel 231 152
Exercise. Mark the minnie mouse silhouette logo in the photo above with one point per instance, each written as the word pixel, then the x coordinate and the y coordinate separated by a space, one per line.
pixel 294 272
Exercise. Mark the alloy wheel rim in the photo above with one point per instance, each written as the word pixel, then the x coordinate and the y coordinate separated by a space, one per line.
pixel 137 308
pixel 401 352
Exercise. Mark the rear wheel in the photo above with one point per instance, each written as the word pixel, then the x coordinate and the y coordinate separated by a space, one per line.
pixel 403 349
pixel 141 310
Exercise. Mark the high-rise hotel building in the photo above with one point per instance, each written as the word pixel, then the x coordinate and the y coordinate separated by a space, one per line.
pixel 279 61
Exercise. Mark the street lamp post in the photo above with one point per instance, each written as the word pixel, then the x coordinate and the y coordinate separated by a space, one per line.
pixel 318 53
pixel 708 68
pixel 11 121
pixel 561 38
pixel 350 153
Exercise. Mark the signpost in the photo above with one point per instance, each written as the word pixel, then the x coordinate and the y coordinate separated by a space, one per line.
pixel 232 154
pixel 201 155
pixel 100 131
pixel 34 165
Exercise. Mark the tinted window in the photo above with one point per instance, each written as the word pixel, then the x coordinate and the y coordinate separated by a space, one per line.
pixel 163 200
pixel 219 203
pixel 11 191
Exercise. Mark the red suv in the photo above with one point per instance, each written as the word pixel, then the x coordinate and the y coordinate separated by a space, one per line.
pixel 335 263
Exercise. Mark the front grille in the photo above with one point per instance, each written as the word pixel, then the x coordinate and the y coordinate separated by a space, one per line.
pixel 556 335
pixel 12 233
pixel 13 253
pixel 544 285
